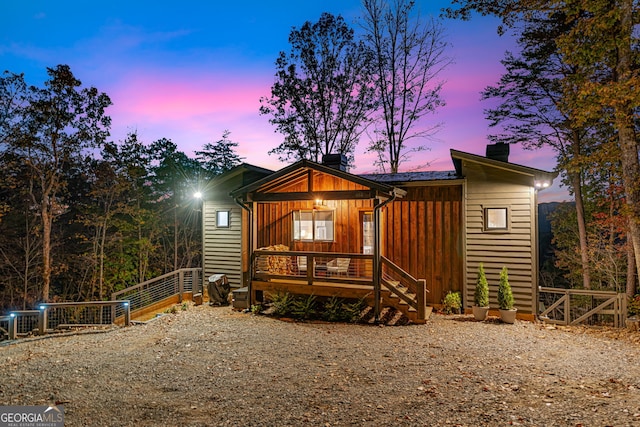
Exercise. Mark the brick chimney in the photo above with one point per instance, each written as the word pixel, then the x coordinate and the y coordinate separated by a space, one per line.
pixel 498 151
pixel 336 161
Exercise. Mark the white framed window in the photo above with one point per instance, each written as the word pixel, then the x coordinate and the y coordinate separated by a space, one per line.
pixel 496 218
pixel 223 219
pixel 313 225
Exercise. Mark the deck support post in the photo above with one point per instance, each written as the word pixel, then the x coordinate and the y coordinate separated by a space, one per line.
pixel 377 266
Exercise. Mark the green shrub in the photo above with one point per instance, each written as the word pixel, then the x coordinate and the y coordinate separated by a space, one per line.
pixel 256 308
pixel 354 309
pixel 481 295
pixel 282 303
pixel 505 296
pixel 452 303
pixel 304 308
pixel 335 310
pixel 633 307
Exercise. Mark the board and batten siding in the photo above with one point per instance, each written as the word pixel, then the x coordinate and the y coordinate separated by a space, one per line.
pixel 514 248
pixel 223 246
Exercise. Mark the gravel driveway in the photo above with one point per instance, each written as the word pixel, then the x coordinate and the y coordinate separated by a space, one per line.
pixel 214 367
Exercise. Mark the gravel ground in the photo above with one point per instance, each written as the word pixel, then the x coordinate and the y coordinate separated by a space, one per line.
pixel 214 367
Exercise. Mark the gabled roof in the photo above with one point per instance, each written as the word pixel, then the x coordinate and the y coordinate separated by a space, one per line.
pixel 302 167
pixel 537 174
pixel 237 170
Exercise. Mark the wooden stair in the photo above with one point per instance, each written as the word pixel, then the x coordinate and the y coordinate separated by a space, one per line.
pixel 401 298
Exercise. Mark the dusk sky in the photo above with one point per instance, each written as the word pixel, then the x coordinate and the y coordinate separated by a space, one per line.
pixel 190 70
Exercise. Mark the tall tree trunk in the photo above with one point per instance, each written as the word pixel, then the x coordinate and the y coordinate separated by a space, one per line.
pixel 631 270
pixel 624 123
pixel 576 182
pixel 46 249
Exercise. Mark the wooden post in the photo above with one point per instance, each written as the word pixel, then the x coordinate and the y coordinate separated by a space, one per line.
pixel 421 297
pixel 311 268
pixel 567 308
pixel 377 267
pixel 181 283
pixel 195 282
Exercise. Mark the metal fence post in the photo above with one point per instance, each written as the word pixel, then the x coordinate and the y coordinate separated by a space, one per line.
pixel 127 313
pixel 181 283
pixel 13 326
pixel 42 320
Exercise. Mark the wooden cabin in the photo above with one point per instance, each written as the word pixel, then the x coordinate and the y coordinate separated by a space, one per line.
pixel 401 240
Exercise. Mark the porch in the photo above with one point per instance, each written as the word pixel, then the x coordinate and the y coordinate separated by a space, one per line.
pixel 317 229
pixel 342 275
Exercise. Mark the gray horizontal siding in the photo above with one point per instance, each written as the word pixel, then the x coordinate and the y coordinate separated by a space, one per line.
pixel 513 248
pixel 222 246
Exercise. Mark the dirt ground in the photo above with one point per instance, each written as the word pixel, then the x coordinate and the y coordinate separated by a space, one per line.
pixel 211 366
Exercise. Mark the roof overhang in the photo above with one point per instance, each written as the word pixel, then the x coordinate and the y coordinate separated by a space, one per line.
pixel 259 190
pixel 541 178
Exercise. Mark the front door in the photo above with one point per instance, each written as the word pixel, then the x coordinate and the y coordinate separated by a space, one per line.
pixel 367 241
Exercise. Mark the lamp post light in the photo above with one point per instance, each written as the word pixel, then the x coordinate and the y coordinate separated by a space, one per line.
pixel 199 196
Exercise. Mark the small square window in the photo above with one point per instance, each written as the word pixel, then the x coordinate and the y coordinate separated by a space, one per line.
pixel 496 219
pixel 222 219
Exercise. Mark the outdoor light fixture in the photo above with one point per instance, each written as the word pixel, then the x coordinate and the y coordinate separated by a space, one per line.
pixel 12 315
pixel 42 307
pixel 126 304
pixel 197 195
pixel 542 184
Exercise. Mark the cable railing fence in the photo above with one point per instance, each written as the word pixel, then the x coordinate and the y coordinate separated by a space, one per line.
pixel 55 317
pixel 145 294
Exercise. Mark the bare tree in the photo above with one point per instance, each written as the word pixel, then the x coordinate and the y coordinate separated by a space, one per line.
pixel 409 56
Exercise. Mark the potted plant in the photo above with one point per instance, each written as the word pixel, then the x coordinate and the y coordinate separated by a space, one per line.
pixel 481 296
pixel 505 298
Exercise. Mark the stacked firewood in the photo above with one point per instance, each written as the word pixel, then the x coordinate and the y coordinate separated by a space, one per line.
pixel 274 264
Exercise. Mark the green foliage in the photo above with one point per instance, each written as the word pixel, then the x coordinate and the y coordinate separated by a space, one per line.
pixel 323 91
pixel 481 294
pixel 256 308
pixel 452 303
pixel 633 306
pixel 184 306
pixel 304 308
pixel 333 310
pixel 220 156
pixel 339 310
pixel 355 308
pixel 282 303
pixel 505 296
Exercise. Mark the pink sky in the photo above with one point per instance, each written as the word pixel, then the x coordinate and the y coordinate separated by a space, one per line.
pixel 190 73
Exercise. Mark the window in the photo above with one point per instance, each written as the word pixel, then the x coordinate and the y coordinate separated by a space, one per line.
pixel 223 219
pixel 313 225
pixel 496 219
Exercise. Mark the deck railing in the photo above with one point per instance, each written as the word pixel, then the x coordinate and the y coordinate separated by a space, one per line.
pixel 575 306
pixel 307 266
pixel 52 317
pixel 156 290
